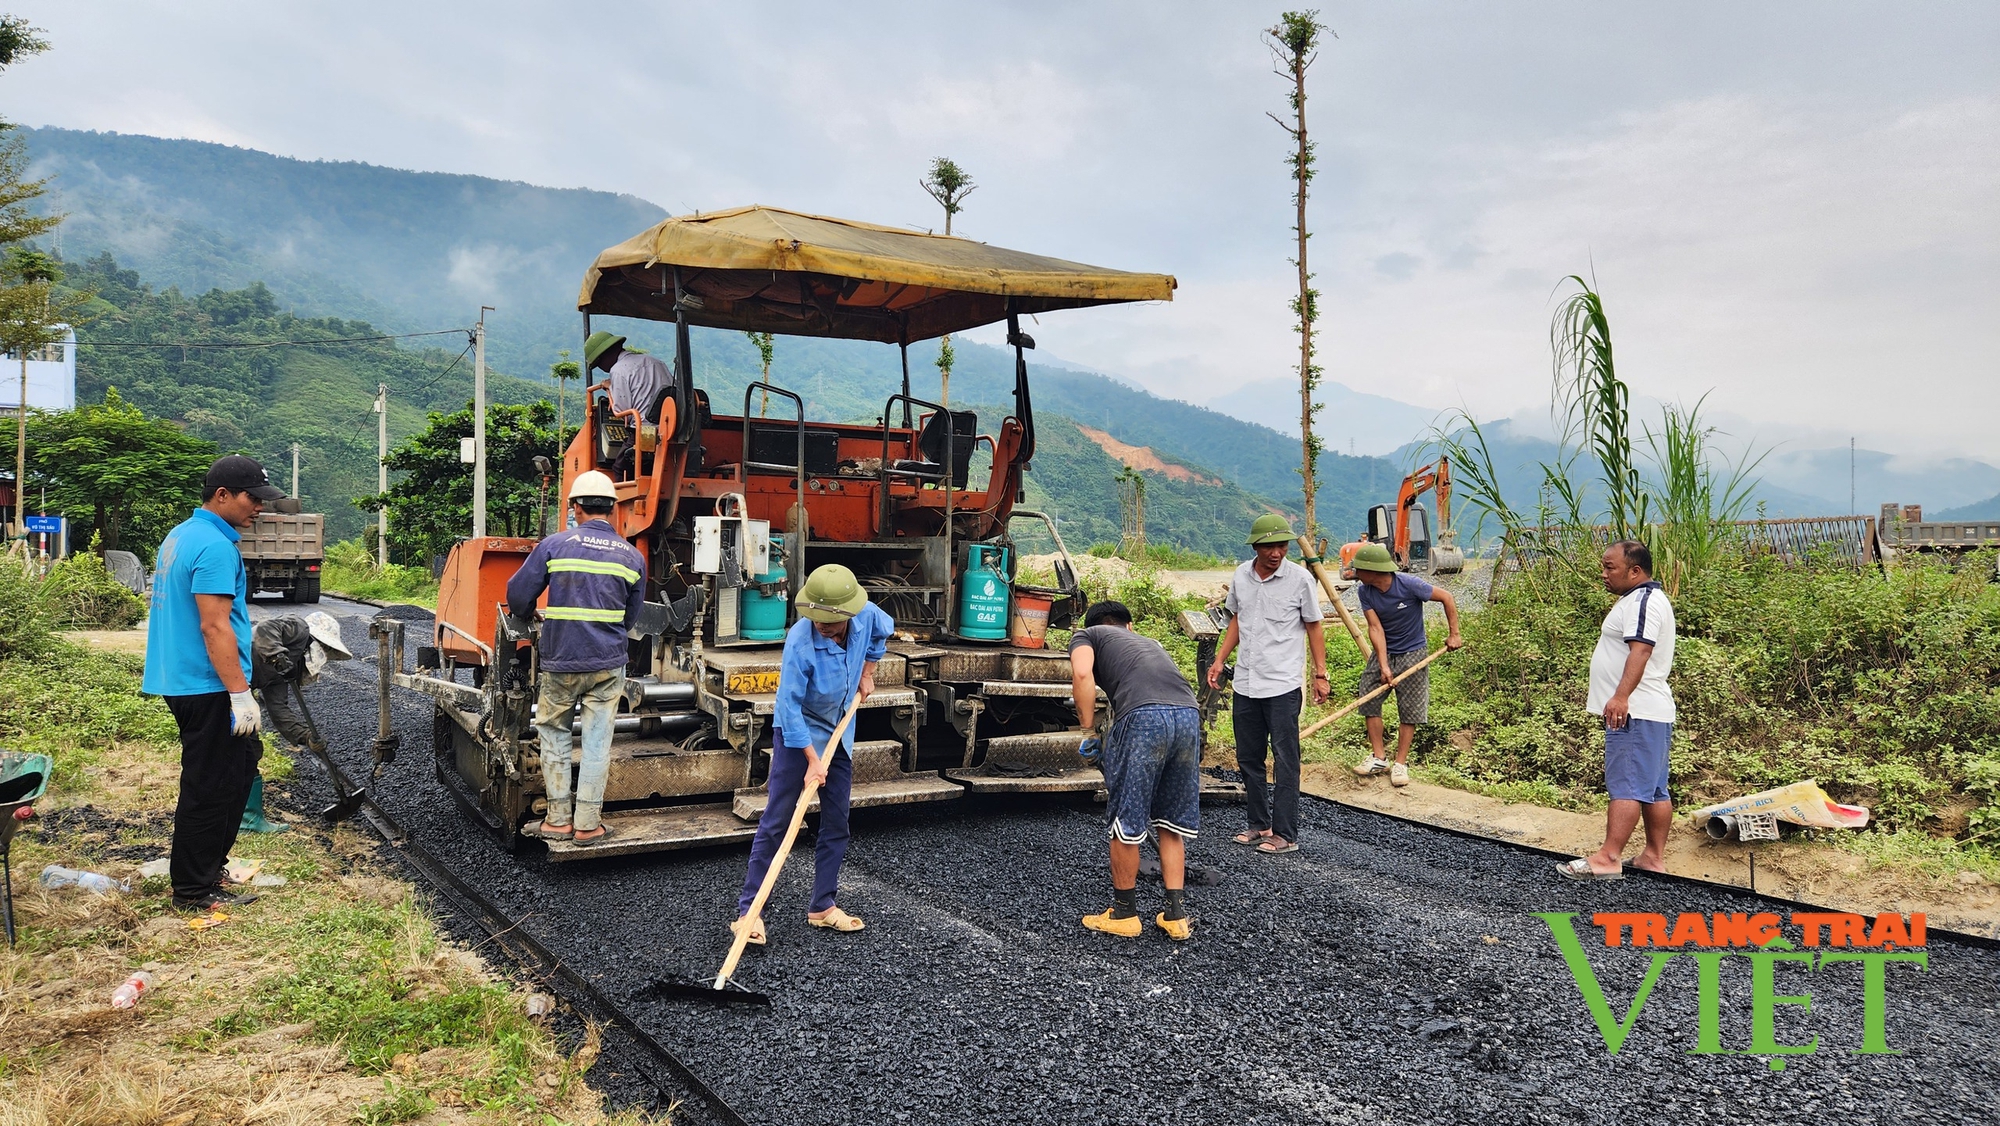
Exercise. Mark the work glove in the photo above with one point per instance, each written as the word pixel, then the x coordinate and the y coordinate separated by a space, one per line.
pixel 1090 748
pixel 245 718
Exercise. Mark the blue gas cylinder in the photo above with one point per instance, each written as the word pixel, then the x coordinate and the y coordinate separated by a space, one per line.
pixel 986 597
pixel 764 600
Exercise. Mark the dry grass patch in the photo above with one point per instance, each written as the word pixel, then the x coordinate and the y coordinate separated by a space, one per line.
pixel 333 999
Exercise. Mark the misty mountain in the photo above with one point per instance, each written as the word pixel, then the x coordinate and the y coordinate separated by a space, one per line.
pixel 410 251
pixel 1349 421
pixel 406 251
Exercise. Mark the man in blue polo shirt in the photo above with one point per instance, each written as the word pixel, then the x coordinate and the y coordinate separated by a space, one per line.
pixel 198 660
pixel 1394 605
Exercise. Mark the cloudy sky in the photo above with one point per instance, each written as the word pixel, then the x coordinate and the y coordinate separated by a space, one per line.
pixel 1796 205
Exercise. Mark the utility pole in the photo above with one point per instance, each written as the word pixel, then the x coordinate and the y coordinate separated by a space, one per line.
pixel 479 424
pixel 382 473
pixel 295 471
pixel 1851 510
pixel 21 455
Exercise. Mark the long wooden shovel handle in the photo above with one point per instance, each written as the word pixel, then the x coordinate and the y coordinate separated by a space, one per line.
pixel 1326 582
pixel 806 794
pixel 1393 681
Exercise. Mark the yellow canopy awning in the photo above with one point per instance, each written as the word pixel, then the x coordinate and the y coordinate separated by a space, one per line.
pixel 763 269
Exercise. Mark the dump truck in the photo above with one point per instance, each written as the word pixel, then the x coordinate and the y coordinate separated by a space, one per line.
pixel 283 551
pixel 731 511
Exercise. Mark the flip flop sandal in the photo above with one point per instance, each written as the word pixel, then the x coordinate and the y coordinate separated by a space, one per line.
pixel 1581 871
pixel 1247 837
pixel 585 842
pixel 1277 846
pixel 543 831
pixel 757 935
pixel 838 920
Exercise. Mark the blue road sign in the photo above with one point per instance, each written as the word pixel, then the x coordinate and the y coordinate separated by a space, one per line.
pixel 51 525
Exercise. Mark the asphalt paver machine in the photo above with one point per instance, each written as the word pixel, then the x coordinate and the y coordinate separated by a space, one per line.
pixel 733 510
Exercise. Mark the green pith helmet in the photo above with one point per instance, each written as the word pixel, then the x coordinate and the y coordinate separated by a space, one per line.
pixel 831 594
pixel 598 344
pixel 1374 557
pixel 1270 528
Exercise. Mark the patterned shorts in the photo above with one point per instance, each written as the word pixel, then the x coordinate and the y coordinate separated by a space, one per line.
pixel 1152 772
pixel 1413 694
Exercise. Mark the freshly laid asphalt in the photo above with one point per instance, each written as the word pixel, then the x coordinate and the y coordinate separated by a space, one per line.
pixel 1384 973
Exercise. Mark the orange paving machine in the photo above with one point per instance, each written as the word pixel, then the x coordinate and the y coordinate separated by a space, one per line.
pixel 732 511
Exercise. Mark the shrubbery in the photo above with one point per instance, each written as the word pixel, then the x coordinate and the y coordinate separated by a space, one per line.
pixel 80 593
pixel 24 629
pixel 1884 686
pixel 350 569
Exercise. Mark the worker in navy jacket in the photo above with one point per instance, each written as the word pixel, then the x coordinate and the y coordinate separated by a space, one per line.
pixel 596 583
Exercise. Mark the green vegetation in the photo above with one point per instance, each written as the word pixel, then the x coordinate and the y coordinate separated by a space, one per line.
pixel 79 593
pixel 350 569
pixel 1879 684
pixel 430 508
pixel 259 400
pixel 73 704
pixel 131 477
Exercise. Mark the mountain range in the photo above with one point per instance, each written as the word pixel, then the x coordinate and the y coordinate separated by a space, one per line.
pixel 416 251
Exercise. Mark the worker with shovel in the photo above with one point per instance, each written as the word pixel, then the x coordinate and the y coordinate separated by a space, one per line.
pixel 286 653
pixel 1394 603
pixel 829 660
pixel 1151 761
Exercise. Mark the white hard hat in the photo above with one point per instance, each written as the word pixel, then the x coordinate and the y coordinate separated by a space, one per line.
pixel 592 484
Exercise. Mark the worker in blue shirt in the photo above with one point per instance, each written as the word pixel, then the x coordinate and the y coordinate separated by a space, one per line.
pixel 830 655
pixel 596 582
pixel 198 660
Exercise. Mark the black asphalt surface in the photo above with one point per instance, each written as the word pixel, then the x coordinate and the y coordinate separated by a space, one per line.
pixel 1385 973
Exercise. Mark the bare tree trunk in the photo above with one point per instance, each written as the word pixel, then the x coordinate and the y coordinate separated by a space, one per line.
pixel 1309 449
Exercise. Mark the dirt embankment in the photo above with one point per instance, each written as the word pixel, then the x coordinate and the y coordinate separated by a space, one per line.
pixel 1144 459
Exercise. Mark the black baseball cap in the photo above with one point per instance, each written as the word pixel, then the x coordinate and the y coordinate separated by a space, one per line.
pixel 240 474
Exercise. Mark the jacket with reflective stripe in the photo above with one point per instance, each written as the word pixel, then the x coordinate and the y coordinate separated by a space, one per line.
pixel 596 582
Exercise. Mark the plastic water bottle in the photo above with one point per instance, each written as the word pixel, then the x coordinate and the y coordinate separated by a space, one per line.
pixel 57 876
pixel 127 995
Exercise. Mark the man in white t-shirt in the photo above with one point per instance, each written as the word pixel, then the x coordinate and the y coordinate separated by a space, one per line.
pixel 1628 687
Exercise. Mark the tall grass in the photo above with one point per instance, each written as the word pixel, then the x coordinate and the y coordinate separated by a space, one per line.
pixel 1677 493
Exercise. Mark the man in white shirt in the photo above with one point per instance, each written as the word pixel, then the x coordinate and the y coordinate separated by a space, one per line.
pixel 1628 687
pixel 1274 613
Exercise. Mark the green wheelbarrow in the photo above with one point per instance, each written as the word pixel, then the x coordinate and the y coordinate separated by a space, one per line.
pixel 23 778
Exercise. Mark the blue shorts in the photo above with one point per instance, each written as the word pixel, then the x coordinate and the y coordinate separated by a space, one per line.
pixel 1152 772
pixel 1635 760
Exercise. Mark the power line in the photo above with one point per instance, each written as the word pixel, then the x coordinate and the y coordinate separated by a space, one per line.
pixel 261 344
pixel 447 371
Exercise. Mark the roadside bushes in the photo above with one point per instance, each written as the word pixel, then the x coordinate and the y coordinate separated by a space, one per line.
pixel 24 629
pixel 80 593
pixel 1885 687
pixel 351 569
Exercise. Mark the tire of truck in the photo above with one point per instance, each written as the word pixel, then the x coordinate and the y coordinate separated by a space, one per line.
pixel 307 590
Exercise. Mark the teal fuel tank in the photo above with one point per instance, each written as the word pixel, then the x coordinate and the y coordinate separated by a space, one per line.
pixel 985 596
pixel 764 600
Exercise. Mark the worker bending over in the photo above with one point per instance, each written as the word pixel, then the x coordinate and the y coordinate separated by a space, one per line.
pixel 1394 604
pixel 1151 761
pixel 830 655
pixel 597 584
pixel 639 382
pixel 286 653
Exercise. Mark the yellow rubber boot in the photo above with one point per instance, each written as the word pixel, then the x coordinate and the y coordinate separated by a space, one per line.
pixel 1180 930
pixel 1128 927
